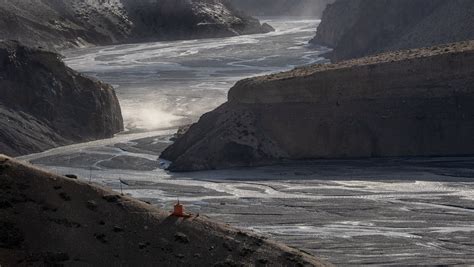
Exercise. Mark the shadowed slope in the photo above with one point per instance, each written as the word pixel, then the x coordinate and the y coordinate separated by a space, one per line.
pixel 49 219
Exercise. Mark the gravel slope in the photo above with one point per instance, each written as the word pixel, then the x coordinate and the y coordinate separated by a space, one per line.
pixel 48 219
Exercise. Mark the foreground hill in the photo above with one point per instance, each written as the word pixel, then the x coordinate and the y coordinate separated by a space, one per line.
pixel 406 103
pixel 47 219
pixel 356 28
pixel 69 23
pixel 44 104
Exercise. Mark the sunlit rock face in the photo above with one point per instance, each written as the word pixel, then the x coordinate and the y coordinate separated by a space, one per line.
pixel 406 103
pixel 356 28
pixel 45 104
pixel 71 23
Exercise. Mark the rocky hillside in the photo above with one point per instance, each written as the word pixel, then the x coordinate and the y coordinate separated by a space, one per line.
pixel 407 103
pixel 69 23
pixel 44 104
pixel 49 220
pixel 282 7
pixel 356 28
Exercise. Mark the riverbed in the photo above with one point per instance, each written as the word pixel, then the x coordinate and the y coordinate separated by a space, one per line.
pixel 379 211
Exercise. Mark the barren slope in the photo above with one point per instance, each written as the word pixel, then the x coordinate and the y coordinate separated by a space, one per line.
pixel 48 219
pixel 70 23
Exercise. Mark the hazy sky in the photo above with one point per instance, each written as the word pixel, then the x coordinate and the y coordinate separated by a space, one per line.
pixel 282 7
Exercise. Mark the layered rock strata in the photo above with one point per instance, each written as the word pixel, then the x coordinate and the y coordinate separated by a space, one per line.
pixel 406 103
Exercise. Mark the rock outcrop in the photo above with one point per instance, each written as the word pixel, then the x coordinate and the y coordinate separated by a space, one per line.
pixel 57 24
pixel 406 103
pixel 356 28
pixel 282 7
pixel 44 104
pixel 49 220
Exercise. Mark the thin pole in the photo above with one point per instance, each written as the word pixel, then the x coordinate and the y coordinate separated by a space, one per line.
pixel 121 190
pixel 90 174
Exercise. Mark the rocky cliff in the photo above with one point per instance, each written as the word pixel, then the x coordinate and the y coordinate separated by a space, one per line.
pixel 44 104
pixel 69 23
pixel 356 28
pixel 407 103
pixel 49 220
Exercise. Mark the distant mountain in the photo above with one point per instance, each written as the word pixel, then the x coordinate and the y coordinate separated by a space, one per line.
pixel 44 104
pixel 356 28
pixel 69 23
pixel 282 7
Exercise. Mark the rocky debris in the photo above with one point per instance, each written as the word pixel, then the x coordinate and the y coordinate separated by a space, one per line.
pixel 46 258
pixel 101 237
pixel 112 198
pixel 405 103
pixel 65 222
pixel 227 263
pixel 72 23
pixel 64 196
pixel 10 236
pixel 45 104
pixel 55 257
pixel 267 27
pixel 143 245
pixel 181 131
pixel 92 205
pixel 245 251
pixel 356 28
pixel 5 205
pixel 227 246
pixel 49 207
pixel 31 237
pixel 182 238
pixel 118 229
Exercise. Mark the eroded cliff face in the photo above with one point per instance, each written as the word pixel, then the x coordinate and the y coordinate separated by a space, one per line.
pixel 57 24
pixel 357 28
pixel 408 103
pixel 44 104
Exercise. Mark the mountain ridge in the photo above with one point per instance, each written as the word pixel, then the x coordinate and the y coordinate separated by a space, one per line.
pixel 59 24
pixel 357 28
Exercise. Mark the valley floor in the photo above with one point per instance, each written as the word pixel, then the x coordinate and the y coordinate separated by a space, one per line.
pixel 395 211
pixel 381 211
